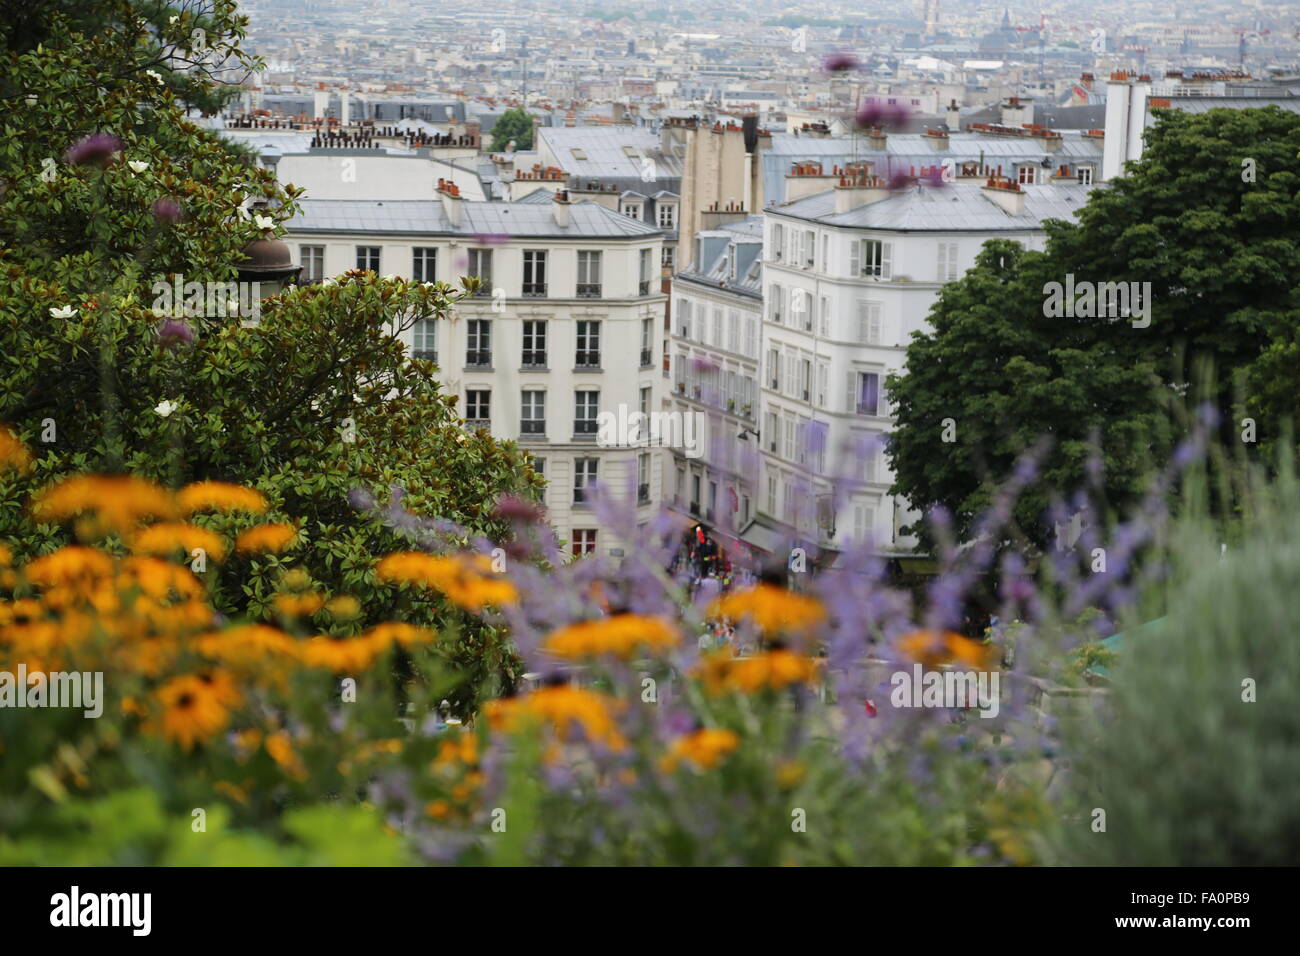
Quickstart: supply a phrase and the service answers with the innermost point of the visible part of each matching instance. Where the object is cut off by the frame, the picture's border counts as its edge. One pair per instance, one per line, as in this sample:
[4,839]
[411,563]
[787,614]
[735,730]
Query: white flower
[30,100]
[165,408]
[264,222]
[391,277]
[157,77]
[66,312]
[138,165]
[172,19]
[329,282]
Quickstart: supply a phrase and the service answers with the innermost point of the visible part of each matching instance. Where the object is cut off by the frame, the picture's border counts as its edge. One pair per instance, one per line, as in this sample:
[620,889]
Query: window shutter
[943,262]
[886,260]
[855,257]
[850,392]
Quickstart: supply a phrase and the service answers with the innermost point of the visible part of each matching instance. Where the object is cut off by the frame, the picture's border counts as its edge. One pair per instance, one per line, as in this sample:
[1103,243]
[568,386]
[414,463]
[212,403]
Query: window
[667,215]
[538,465]
[825,313]
[864,393]
[535,273]
[585,412]
[684,317]
[809,249]
[643,284]
[588,352]
[777,303]
[789,381]
[647,342]
[695,494]
[777,242]
[424,264]
[826,246]
[478,409]
[368,258]
[789,502]
[870,322]
[774,369]
[773,430]
[313,263]
[681,485]
[478,343]
[643,478]
[480,264]
[770,504]
[669,258]
[716,339]
[584,541]
[947,261]
[534,351]
[864,522]
[584,474]
[733,330]
[644,404]
[805,379]
[532,416]
[871,258]
[751,336]
[800,313]
[1025,174]
[588,274]
[790,432]
[424,339]
[1085,175]
[823,379]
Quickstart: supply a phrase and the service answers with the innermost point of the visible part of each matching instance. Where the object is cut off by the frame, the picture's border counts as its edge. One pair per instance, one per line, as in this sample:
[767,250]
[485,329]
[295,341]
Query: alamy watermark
[628,429]
[1100,300]
[77,689]
[921,688]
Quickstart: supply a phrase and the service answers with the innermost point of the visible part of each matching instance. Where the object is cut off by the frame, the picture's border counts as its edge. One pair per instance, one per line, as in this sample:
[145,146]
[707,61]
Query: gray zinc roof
[587,220]
[957,207]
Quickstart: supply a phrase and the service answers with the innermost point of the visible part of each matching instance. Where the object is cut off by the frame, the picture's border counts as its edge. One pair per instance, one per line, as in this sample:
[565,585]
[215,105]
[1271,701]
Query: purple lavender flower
[97,149]
[515,508]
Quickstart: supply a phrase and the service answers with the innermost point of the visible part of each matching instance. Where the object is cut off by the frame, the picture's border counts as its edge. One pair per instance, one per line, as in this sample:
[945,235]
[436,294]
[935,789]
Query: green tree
[316,399]
[1218,239]
[514,125]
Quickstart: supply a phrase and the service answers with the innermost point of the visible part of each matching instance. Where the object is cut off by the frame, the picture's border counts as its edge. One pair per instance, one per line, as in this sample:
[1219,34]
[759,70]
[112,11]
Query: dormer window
[1027,174]
[1085,175]
[667,215]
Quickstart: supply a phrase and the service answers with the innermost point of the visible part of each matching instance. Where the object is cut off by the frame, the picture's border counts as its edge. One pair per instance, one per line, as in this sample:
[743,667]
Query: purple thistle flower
[175,333]
[167,211]
[97,149]
[839,61]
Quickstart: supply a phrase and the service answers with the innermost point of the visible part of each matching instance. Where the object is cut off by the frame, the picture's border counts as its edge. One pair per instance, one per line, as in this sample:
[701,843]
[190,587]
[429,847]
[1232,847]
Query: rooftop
[587,220]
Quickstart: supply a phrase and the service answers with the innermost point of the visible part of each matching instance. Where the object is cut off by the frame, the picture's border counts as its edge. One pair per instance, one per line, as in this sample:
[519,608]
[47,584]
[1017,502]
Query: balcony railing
[478,358]
[534,290]
[485,290]
[647,358]
[532,426]
[429,355]
[643,494]
[534,358]
[584,427]
[478,424]
[867,408]
[695,508]
[588,290]
[644,287]
[587,358]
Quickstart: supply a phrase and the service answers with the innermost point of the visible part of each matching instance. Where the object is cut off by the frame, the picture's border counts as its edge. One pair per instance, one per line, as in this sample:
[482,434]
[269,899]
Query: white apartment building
[849,273]
[569,326]
[717,325]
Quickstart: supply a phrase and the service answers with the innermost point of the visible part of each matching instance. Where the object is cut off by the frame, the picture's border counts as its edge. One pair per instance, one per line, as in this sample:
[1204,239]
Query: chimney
[953,117]
[561,207]
[1017,112]
[857,188]
[449,193]
[1115,150]
[1006,194]
[877,140]
[808,179]
[345,109]
[937,138]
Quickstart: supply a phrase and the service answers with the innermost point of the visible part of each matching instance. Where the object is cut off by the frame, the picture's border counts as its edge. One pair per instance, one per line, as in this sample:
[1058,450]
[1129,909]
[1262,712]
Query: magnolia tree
[126,339]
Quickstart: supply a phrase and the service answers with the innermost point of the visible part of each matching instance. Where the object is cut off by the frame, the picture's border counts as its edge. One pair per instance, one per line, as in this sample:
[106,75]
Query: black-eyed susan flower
[271,538]
[562,708]
[622,635]
[932,648]
[466,580]
[702,750]
[220,496]
[193,712]
[773,610]
[111,503]
[169,537]
[770,670]
[14,455]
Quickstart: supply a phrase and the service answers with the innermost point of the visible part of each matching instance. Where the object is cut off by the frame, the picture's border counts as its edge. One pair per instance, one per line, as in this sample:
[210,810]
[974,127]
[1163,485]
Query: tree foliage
[1217,238]
[515,126]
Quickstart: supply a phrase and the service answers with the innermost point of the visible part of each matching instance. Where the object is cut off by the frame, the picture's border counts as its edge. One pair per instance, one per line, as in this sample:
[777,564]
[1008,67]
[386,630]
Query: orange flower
[116,503]
[722,673]
[280,747]
[622,635]
[264,538]
[169,537]
[299,605]
[561,708]
[193,713]
[220,496]
[703,749]
[14,455]
[933,648]
[396,632]
[466,580]
[246,644]
[349,655]
[771,608]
